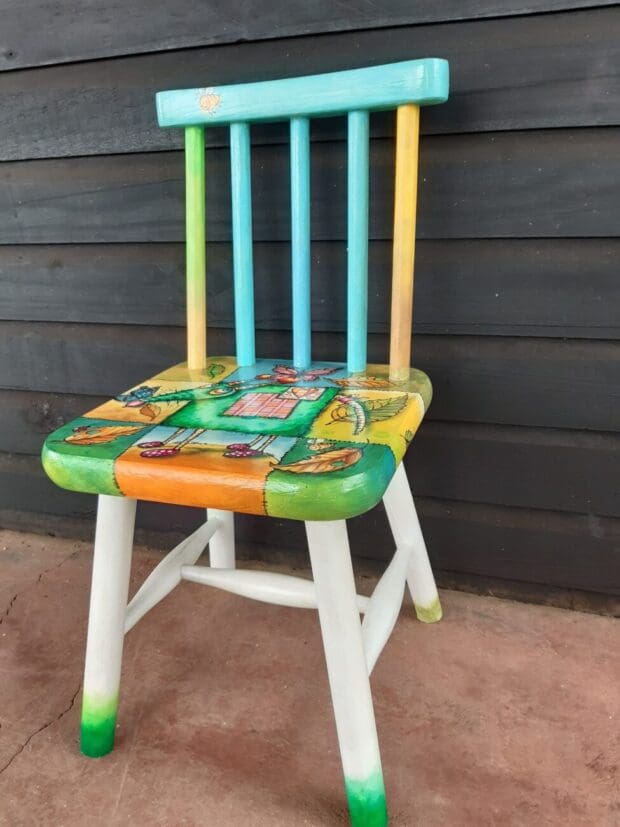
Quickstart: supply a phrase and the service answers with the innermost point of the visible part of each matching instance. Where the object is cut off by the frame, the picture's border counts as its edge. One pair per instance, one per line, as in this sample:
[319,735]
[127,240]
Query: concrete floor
[502,714]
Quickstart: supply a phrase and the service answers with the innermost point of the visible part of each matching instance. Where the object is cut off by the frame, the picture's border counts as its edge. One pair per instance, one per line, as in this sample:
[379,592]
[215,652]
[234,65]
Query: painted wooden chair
[319,442]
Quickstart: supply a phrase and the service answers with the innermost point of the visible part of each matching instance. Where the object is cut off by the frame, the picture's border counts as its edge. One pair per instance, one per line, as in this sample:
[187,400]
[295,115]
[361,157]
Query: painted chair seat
[315,444]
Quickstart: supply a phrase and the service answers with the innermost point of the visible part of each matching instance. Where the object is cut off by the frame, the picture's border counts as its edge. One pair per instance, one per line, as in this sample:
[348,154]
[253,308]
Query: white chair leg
[403,518]
[106,623]
[222,544]
[347,671]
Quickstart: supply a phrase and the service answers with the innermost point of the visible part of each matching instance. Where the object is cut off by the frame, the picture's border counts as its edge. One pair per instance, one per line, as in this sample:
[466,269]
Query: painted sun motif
[209,100]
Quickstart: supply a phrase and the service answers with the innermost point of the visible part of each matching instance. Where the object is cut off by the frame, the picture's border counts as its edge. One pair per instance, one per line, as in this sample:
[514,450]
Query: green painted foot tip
[431,613]
[98,725]
[367,806]
[97,741]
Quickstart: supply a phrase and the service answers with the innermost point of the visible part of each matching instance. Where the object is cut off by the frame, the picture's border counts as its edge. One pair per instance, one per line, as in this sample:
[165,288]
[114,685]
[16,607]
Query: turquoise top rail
[421,82]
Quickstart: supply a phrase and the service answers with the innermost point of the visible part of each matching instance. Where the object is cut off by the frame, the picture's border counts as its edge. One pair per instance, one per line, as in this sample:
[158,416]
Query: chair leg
[405,525]
[347,670]
[222,544]
[106,621]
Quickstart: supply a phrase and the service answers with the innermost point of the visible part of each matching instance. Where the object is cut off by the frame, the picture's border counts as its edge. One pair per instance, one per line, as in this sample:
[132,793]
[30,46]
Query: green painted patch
[420,383]
[367,806]
[431,613]
[332,495]
[88,466]
[209,410]
[98,725]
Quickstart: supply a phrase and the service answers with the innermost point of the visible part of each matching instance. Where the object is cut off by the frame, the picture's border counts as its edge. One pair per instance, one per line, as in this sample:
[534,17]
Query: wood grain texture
[518,544]
[559,70]
[500,287]
[527,545]
[28,417]
[66,31]
[549,183]
[534,382]
[532,546]
[553,469]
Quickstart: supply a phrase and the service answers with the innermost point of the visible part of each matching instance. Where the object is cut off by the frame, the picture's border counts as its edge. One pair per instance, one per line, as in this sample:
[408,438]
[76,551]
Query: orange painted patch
[199,476]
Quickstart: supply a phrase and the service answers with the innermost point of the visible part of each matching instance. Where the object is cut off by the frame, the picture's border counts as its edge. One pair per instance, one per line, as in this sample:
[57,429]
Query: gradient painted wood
[405,200]
[357,235]
[376,87]
[106,623]
[241,183]
[300,240]
[195,247]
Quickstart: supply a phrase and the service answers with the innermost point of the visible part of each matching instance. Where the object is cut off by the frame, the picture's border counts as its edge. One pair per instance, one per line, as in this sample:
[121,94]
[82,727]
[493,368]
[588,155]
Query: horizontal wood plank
[533,546]
[560,70]
[526,545]
[550,183]
[534,468]
[501,287]
[525,467]
[518,544]
[29,416]
[63,33]
[533,382]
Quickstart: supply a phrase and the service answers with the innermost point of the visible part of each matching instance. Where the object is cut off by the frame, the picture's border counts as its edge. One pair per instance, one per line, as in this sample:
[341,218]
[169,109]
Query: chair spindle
[405,199]
[195,247]
[300,240]
[241,184]
[357,235]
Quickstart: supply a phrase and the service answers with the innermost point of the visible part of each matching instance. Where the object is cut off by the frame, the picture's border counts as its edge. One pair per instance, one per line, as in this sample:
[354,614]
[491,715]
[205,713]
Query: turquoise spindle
[357,235]
[242,242]
[300,239]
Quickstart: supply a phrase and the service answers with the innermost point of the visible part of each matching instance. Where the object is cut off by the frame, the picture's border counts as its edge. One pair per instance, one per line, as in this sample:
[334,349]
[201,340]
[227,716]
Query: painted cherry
[238,450]
[159,452]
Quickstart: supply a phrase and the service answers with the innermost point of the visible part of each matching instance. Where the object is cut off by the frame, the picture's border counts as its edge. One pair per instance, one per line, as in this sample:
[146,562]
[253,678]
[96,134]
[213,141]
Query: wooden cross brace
[380,611]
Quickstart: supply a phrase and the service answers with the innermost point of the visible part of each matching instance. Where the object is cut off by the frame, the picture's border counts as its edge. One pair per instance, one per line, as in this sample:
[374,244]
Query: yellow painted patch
[211,373]
[343,421]
[145,411]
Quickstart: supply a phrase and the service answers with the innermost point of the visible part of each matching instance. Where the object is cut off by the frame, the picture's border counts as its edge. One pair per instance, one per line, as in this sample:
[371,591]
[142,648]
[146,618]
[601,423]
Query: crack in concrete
[68,708]
[32,585]
[42,728]
[10,606]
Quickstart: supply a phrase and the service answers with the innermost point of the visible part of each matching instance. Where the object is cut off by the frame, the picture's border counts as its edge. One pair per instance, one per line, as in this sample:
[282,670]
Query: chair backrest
[405,86]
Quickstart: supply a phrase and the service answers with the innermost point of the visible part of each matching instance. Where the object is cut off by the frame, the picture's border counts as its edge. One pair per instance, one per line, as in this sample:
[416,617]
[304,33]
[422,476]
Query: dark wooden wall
[518,288]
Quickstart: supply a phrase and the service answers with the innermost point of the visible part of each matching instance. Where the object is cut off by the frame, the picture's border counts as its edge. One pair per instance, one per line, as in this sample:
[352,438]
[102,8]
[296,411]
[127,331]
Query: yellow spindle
[195,247]
[405,199]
